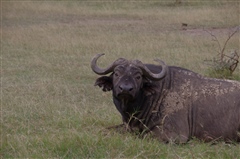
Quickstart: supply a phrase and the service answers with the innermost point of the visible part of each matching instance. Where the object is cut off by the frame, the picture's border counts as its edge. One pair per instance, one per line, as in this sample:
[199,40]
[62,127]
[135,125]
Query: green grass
[49,106]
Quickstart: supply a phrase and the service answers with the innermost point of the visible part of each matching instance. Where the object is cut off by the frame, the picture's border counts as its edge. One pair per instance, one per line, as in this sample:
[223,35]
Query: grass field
[49,106]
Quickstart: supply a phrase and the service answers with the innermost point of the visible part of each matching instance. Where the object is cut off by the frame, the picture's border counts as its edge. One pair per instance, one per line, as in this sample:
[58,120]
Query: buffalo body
[172,103]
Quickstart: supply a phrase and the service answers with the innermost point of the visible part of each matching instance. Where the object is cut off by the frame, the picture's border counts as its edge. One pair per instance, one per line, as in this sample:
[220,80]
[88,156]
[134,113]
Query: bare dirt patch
[205,31]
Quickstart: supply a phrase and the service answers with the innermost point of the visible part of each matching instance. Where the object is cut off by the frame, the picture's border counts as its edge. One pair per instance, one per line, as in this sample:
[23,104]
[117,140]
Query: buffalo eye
[138,77]
[116,74]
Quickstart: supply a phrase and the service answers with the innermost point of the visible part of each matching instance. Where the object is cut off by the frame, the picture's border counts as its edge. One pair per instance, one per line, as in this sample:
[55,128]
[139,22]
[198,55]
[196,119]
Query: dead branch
[214,38]
[225,44]
[225,61]
[221,49]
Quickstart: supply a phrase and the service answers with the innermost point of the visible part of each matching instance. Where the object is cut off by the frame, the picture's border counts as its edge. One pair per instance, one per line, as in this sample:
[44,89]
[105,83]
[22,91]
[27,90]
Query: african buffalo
[172,103]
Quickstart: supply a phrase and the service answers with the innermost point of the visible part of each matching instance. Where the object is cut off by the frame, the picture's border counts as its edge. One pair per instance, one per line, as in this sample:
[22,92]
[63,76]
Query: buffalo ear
[104,82]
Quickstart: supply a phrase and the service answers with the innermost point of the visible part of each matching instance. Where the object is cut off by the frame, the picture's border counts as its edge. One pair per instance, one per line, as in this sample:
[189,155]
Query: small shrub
[224,64]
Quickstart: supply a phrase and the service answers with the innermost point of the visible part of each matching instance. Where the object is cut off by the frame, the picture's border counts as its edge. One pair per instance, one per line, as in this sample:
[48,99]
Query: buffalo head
[127,78]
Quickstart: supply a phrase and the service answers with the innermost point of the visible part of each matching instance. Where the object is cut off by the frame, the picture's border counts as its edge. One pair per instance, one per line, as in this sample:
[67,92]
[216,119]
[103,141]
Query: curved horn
[107,70]
[152,75]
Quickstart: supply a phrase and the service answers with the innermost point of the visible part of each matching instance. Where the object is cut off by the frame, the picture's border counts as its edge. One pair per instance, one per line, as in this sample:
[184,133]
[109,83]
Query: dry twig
[232,60]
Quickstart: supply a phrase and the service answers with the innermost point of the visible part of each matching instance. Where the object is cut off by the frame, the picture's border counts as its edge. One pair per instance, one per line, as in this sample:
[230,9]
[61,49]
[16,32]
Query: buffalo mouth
[125,96]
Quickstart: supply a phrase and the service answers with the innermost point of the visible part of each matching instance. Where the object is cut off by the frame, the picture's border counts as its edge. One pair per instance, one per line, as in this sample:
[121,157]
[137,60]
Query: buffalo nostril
[125,88]
[120,88]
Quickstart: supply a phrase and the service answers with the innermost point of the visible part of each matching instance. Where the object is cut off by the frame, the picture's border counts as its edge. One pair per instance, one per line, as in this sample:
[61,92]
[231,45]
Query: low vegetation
[225,63]
[49,106]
